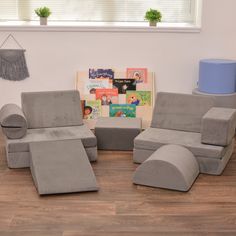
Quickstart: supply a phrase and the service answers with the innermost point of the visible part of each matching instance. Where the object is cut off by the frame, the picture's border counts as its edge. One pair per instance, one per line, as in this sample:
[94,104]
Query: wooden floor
[119,208]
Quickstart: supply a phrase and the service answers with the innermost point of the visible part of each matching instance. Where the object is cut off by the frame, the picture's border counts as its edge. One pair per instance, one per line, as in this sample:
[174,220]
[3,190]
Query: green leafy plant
[43,12]
[153,15]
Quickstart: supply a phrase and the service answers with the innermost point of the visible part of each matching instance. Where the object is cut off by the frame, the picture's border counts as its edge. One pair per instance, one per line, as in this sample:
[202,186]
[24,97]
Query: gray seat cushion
[180,111]
[52,109]
[52,134]
[154,138]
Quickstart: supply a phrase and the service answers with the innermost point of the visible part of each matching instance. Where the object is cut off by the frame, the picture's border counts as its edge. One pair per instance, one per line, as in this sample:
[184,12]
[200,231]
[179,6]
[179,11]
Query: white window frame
[60,26]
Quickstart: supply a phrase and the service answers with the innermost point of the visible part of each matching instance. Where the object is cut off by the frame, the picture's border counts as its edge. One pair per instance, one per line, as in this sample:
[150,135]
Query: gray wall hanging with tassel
[12,62]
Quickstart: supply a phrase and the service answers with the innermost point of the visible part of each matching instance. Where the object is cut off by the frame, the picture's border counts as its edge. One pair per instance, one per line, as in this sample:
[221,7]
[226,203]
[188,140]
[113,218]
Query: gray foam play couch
[192,122]
[44,116]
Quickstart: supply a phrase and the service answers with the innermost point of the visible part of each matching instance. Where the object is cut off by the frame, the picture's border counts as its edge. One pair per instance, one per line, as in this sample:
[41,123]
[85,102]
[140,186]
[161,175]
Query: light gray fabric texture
[221,100]
[154,138]
[180,111]
[171,166]
[61,167]
[52,109]
[53,134]
[117,133]
[17,160]
[13,121]
[212,166]
[218,126]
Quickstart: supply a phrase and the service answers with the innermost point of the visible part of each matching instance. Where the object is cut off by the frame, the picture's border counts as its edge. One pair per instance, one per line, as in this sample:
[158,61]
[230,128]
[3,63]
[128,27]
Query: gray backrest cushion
[180,111]
[52,109]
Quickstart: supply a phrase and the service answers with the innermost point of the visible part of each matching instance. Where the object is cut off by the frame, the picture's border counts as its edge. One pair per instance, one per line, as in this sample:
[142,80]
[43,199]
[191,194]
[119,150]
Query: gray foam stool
[171,166]
[61,167]
[117,133]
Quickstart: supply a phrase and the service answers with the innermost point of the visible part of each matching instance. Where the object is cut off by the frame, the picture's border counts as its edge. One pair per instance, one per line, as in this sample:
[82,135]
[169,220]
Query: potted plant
[153,16]
[43,13]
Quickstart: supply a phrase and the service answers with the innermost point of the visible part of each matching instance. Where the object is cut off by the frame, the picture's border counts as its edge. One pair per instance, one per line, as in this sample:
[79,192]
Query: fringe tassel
[13,64]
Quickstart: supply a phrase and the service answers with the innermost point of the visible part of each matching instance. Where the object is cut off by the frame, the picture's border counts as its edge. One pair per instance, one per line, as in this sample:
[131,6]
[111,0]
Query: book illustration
[107,96]
[139,98]
[90,86]
[139,74]
[101,73]
[122,110]
[124,84]
[92,109]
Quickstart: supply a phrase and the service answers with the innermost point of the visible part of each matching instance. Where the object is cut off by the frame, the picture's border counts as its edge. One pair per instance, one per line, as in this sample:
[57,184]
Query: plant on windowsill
[43,13]
[153,16]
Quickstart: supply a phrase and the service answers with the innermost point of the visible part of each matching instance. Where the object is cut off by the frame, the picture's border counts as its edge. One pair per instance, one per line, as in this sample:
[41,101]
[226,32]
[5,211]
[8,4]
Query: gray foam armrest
[218,126]
[13,121]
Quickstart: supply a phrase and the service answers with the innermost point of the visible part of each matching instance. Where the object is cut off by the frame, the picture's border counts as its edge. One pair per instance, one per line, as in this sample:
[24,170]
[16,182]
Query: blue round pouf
[217,76]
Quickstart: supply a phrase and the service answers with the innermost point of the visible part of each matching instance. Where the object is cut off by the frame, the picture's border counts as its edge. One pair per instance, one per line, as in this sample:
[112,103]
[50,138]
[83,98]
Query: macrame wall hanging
[12,62]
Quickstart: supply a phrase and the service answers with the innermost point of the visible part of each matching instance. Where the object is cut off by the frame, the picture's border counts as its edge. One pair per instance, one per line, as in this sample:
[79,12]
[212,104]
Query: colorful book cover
[107,96]
[139,74]
[124,84]
[122,110]
[92,109]
[139,98]
[91,85]
[101,73]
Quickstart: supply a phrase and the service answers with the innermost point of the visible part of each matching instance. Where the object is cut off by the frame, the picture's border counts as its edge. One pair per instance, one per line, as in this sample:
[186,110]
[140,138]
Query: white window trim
[59,26]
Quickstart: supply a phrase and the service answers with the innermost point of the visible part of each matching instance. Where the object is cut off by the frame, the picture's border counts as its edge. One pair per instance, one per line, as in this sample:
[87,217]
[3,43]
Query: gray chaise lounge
[192,122]
[49,116]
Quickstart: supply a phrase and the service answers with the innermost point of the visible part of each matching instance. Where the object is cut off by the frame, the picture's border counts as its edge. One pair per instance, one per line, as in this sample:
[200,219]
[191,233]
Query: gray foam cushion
[61,167]
[154,138]
[180,111]
[13,121]
[52,134]
[218,126]
[52,109]
[171,166]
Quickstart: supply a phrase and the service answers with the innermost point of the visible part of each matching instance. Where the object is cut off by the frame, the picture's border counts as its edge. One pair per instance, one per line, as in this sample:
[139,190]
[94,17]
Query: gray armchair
[192,122]
[45,116]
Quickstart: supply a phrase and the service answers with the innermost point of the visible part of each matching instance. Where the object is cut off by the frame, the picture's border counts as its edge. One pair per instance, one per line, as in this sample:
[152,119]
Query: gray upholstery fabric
[154,138]
[52,109]
[13,121]
[212,166]
[22,159]
[61,167]
[52,134]
[171,166]
[180,111]
[116,133]
[218,126]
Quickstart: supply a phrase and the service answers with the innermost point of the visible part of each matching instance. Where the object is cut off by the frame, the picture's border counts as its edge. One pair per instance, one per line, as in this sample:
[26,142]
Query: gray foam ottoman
[171,166]
[117,133]
[61,167]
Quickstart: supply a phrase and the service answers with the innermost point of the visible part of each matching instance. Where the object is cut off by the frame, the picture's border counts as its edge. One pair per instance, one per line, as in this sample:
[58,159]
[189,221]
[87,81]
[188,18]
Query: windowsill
[54,26]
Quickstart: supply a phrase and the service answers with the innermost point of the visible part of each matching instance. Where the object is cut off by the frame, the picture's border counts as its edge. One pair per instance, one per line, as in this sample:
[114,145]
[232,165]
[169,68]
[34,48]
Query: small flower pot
[152,23]
[43,20]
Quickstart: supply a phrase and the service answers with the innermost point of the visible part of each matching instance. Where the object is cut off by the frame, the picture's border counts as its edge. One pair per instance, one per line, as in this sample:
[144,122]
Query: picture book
[82,105]
[101,73]
[139,98]
[107,96]
[92,109]
[91,85]
[124,84]
[122,110]
[139,74]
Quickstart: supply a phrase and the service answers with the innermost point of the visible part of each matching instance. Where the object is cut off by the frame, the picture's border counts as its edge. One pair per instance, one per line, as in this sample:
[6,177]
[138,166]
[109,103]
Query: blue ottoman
[217,76]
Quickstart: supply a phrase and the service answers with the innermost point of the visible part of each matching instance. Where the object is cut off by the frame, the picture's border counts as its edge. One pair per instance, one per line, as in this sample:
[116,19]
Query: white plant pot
[43,20]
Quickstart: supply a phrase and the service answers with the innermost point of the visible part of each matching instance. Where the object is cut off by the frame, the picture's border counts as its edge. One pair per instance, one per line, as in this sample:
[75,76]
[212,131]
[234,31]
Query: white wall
[53,57]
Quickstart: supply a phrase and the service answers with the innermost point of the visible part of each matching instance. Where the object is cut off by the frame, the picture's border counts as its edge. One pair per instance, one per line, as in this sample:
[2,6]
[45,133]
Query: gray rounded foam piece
[171,167]
[13,121]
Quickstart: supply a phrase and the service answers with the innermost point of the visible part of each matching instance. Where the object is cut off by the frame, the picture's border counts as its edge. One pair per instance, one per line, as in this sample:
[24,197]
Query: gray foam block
[13,121]
[171,166]
[61,167]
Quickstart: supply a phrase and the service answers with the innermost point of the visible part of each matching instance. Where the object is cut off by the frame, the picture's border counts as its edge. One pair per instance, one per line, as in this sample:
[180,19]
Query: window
[173,11]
